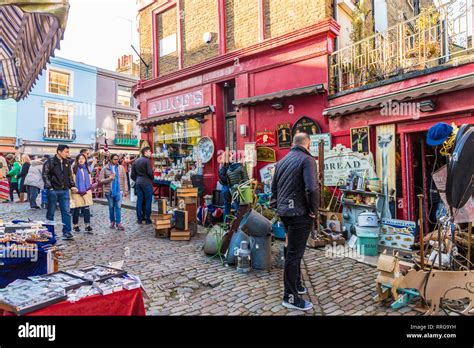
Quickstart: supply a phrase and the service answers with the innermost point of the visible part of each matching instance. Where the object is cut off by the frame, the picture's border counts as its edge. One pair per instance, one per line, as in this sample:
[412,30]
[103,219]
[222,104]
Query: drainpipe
[334,15]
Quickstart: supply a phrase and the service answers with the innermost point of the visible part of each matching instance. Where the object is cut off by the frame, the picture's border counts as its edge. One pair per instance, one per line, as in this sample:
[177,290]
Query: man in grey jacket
[295,195]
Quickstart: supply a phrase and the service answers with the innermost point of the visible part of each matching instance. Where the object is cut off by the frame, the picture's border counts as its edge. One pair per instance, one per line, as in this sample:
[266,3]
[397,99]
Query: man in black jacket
[295,195]
[142,174]
[58,180]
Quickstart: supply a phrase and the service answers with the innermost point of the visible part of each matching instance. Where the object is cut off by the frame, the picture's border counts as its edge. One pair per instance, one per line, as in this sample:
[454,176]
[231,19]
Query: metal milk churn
[243,257]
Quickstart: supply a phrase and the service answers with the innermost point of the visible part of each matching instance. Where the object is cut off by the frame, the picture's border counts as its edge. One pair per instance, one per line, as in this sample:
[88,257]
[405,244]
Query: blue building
[61,108]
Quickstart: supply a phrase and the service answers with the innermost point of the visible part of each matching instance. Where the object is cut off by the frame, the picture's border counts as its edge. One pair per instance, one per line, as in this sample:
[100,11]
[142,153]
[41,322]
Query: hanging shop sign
[205,149]
[399,234]
[284,135]
[266,138]
[341,161]
[177,103]
[306,125]
[266,154]
[314,145]
[360,139]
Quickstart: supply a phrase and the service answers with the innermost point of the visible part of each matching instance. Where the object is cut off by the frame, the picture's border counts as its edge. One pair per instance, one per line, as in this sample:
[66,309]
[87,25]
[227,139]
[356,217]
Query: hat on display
[438,134]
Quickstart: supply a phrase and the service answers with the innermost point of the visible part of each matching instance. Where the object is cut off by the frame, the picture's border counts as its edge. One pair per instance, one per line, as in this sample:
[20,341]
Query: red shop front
[404,111]
[241,94]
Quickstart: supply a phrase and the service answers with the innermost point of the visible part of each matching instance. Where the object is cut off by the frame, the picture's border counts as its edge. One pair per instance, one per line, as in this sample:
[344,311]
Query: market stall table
[120,303]
[12,268]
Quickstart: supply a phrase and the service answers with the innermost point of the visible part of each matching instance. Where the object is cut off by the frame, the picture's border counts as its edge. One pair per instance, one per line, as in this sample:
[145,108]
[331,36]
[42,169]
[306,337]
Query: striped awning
[30,31]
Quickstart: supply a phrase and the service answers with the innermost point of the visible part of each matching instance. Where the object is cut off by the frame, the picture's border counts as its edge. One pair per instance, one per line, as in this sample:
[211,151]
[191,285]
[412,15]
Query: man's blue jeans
[61,196]
[144,194]
[115,208]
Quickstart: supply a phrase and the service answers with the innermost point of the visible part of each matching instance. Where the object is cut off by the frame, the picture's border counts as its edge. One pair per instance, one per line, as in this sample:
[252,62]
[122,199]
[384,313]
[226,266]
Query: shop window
[124,96]
[179,137]
[59,82]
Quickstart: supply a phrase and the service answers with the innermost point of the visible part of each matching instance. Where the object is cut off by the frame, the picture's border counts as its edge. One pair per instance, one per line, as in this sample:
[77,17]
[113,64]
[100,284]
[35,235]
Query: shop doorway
[425,161]
[230,114]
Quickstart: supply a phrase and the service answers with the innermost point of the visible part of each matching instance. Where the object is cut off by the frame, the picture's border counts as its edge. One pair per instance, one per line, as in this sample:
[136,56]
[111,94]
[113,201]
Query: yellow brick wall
[283,16]
[167,25]
[200,16]
[146,37]
[197,18]
[241,23]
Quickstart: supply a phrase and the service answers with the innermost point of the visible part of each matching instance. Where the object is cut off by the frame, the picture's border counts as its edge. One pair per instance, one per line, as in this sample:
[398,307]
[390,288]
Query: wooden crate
[162,206]
[162,233]
[191,208]
[155,217]
[160,224]
[187,192]
[181,220]
[180,235]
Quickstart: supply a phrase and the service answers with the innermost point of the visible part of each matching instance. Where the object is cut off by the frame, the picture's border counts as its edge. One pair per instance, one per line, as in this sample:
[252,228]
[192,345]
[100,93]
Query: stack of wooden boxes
[186,220]
[162,220]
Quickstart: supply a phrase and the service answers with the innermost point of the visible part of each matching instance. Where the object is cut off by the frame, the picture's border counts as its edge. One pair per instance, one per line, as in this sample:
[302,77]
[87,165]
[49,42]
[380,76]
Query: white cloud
[98,32]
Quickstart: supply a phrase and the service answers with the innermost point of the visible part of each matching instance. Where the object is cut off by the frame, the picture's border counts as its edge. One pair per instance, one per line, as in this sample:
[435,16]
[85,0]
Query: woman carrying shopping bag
[83,197]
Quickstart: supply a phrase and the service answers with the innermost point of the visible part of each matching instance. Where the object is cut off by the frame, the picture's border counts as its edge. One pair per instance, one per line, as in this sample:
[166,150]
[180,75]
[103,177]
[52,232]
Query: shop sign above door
[176,103]
[266,138]
[340,161]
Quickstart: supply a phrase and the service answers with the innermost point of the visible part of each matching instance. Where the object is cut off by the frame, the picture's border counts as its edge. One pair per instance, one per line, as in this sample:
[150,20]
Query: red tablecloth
[125,302]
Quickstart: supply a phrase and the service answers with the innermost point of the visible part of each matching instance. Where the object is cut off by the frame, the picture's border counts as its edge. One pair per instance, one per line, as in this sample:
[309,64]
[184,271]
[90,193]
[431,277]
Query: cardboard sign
[360,139]
[340,161]
[314,146]
[399,234]
[266,138]
[284,135]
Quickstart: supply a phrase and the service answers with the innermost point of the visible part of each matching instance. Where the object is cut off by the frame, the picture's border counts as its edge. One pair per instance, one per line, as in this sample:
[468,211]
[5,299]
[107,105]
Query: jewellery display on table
[97,273]
[24,296]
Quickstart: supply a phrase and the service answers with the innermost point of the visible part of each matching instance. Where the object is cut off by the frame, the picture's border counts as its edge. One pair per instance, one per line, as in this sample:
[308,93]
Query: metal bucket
[255,224]
[234,245]
[261,252]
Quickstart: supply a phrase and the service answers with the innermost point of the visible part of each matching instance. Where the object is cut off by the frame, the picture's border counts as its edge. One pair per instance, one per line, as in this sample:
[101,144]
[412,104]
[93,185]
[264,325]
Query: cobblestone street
[181,280]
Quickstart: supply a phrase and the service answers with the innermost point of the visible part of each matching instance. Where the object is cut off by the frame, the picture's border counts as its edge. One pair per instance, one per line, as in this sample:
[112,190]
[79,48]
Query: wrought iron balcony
[122,139]
[59,135]
[437,36]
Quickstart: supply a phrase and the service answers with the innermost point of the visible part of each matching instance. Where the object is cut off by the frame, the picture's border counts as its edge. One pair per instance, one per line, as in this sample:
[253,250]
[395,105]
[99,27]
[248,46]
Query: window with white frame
[124,127]
[58,119]
[59,82]
[124,96]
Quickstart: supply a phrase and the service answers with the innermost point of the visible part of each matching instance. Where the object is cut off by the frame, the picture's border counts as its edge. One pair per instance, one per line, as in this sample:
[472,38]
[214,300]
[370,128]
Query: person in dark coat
[295,196]
[25,167]
[142,174]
